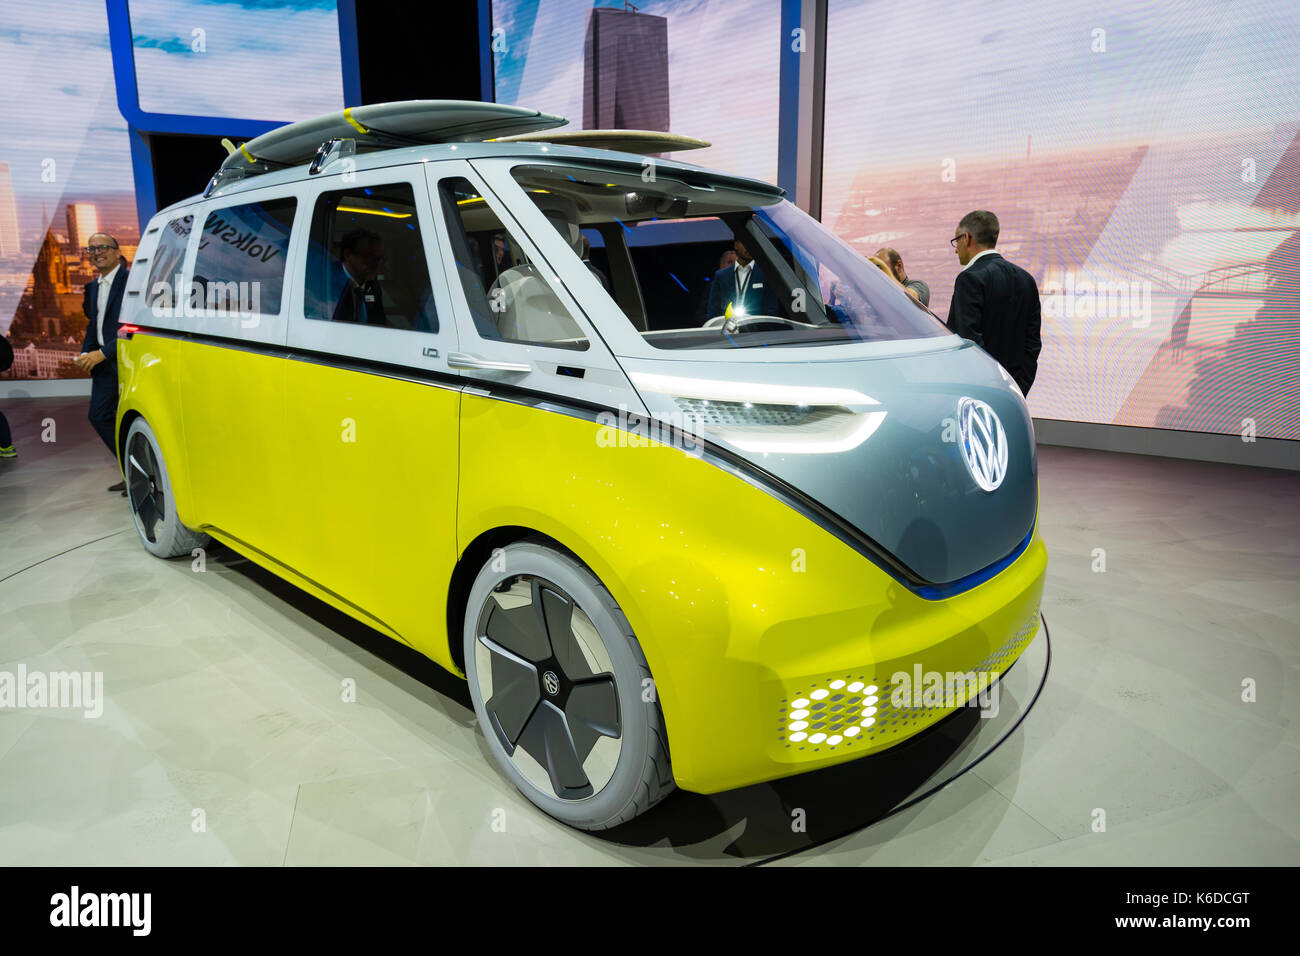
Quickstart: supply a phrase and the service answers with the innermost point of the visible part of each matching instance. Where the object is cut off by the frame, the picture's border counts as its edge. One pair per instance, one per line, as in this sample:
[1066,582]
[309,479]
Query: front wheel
[562,690]
[153,506]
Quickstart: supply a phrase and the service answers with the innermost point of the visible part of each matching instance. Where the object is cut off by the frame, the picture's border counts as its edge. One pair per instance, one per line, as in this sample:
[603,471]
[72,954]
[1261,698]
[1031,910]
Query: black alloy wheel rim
[144,485]
[543,697]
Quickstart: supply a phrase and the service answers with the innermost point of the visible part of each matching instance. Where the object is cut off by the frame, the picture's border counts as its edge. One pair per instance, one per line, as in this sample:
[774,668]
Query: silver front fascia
[875,441]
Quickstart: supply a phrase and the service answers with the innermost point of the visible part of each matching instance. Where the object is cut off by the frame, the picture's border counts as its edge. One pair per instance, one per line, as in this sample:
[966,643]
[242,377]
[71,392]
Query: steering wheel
[755,323]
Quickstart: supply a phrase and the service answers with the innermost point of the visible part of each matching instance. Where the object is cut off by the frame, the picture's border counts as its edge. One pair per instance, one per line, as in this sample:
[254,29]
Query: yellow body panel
[150,371]
[233,404]
[373,514]
[343,482]
[740,603]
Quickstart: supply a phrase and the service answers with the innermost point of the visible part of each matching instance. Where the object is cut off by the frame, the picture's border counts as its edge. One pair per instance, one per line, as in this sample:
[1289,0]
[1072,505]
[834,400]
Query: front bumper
[878,666]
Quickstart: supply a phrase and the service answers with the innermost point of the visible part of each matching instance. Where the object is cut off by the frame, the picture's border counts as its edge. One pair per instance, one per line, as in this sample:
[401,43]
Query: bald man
[894,266]
[102,305]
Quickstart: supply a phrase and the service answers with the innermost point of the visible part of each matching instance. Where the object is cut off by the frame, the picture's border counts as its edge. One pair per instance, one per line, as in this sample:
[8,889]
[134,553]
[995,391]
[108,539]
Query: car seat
[531,311]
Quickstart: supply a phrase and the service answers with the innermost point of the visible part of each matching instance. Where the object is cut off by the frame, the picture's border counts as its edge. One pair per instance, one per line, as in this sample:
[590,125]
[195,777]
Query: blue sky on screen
[251,48]
[58,80]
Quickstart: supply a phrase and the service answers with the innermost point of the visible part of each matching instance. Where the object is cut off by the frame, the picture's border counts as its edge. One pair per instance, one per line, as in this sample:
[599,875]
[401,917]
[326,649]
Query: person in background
[102,305]
[6,437]
[361,261]
[894,263]
[726,260]
[586,261]
[500,255]
[742,286]
[995,303]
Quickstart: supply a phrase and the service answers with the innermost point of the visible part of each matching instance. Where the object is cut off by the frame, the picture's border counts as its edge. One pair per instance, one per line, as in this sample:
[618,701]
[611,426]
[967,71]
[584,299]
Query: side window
[507,297]
[162,289]
[240,264]
[366,261]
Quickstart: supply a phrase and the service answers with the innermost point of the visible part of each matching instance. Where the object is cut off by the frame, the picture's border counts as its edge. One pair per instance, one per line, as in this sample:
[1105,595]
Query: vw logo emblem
[551,683]
[983,443]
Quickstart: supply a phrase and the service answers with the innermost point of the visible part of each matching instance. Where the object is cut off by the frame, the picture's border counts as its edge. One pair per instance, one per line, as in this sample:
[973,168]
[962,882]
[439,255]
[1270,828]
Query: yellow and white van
[677,523]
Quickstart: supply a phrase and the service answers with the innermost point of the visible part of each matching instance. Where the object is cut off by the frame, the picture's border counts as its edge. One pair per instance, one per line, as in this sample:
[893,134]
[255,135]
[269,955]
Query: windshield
[705,265]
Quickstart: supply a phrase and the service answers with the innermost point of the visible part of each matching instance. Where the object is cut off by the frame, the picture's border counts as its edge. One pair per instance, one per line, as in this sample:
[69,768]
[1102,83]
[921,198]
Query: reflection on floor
[224,738]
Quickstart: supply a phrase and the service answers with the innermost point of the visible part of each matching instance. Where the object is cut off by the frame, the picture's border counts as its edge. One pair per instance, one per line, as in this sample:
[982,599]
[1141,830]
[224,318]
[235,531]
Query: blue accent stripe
[787,151]
[146,196]
[938,592]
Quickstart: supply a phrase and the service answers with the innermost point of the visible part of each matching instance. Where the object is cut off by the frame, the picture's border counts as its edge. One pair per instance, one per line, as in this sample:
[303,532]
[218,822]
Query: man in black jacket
[995,303]
[102,304]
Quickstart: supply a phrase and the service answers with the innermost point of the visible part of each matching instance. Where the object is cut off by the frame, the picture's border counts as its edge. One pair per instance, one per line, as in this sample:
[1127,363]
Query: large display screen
[65,173]
[1144,161]
[704,69]
[233,58]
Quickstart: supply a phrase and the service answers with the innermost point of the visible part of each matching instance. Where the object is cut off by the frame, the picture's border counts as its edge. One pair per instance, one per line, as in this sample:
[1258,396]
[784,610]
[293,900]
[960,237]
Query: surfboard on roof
[419,122]
[622,140]
[408,123]
[381,126]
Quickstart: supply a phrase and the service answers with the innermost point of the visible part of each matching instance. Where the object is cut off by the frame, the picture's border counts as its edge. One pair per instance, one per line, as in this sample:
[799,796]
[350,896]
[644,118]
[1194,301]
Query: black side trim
[714,454]
[347,363]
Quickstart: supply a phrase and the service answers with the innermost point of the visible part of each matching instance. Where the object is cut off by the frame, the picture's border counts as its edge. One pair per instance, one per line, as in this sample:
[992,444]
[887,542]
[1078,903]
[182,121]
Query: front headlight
[764,418]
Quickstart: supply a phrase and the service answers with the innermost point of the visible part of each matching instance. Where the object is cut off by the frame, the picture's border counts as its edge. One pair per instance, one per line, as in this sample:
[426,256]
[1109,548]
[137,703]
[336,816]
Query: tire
[573,674]
[149,490]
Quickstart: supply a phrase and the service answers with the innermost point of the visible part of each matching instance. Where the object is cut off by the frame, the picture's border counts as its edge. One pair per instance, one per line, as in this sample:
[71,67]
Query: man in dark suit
[995,303]
[360,298]
[102,305]
[742,286]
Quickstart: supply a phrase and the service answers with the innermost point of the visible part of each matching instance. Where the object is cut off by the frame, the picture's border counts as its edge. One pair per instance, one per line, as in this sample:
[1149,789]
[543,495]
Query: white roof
[435,152]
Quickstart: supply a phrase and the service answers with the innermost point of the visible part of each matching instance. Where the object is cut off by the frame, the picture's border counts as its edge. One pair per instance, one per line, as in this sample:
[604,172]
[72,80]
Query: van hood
[929,455]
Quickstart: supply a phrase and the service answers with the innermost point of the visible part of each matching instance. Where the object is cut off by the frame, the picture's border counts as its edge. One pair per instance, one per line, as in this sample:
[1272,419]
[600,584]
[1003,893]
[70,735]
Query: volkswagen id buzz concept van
[500,401]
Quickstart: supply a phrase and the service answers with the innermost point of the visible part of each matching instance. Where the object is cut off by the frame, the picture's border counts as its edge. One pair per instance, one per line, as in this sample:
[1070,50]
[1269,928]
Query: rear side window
[164,277]
[240,265]
[366,263]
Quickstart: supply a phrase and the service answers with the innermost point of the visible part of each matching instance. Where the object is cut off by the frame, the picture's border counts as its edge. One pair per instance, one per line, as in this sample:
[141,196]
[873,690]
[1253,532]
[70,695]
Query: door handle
[466,361]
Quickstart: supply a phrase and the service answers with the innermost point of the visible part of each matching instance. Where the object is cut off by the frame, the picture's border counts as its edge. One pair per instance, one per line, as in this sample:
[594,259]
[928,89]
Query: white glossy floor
[223,697]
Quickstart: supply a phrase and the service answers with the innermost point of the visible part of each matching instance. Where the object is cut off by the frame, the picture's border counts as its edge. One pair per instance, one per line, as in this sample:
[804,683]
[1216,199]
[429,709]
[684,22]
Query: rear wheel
[562,690]
[153,506]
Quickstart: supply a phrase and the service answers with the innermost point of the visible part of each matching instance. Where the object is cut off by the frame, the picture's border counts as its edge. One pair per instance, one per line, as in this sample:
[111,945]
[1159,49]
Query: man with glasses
[102,304]
[995,303]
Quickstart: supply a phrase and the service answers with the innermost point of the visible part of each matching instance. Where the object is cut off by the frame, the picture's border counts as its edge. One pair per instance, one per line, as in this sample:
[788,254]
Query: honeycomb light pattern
[714,412]
[843,709]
